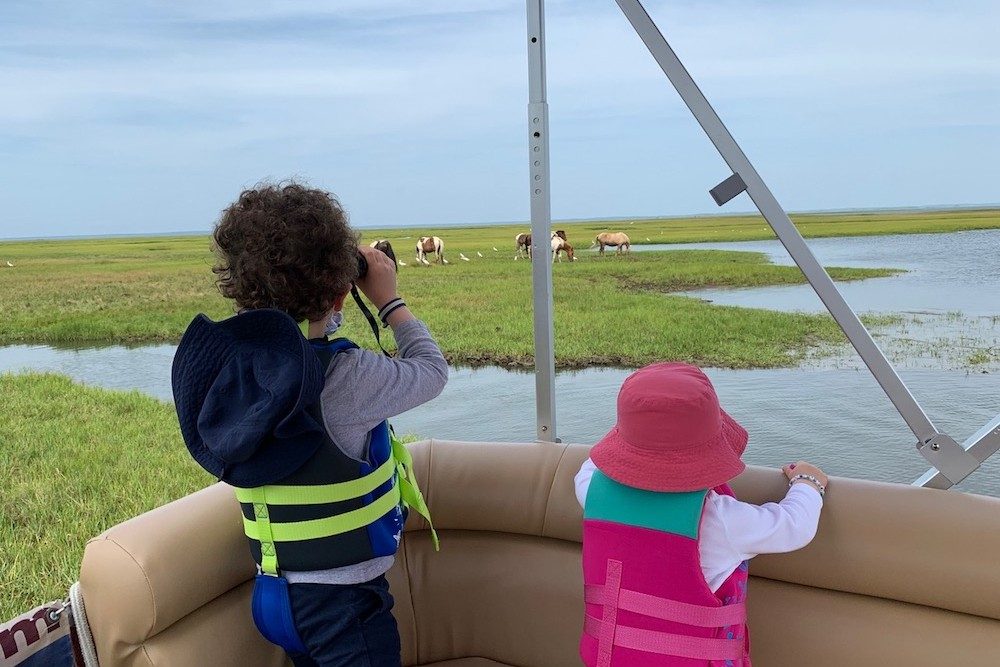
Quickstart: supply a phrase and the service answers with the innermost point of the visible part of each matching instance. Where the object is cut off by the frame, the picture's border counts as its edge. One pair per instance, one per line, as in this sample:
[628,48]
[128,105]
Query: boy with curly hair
[298,423]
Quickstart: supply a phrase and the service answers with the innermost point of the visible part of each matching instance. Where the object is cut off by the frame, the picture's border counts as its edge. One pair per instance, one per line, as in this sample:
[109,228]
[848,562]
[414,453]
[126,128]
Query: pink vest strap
[607,630]
[663,643]
[670,610]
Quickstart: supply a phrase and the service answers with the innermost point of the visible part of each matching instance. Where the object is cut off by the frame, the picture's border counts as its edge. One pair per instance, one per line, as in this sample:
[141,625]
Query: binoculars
[385,249]
[362,266]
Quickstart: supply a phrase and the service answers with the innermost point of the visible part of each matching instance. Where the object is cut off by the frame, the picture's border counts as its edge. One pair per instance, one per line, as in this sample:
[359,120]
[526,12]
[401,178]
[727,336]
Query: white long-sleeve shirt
[733,531]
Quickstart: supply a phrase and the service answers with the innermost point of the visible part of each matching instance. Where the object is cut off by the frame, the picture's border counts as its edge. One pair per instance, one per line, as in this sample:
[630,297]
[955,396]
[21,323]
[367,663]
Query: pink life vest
[647,601]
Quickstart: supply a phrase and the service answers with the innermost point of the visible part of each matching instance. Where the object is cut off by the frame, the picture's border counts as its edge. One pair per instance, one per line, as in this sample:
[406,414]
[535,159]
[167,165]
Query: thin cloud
[438,89]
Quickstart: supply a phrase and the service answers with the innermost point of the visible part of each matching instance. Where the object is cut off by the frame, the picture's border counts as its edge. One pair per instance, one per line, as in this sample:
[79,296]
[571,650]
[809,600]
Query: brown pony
[522,245]
[385,247]
[618,240]
[428,244]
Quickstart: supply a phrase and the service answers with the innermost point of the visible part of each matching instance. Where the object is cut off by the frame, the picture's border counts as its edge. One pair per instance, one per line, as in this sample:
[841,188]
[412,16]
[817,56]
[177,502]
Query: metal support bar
[541,224]
[950,458]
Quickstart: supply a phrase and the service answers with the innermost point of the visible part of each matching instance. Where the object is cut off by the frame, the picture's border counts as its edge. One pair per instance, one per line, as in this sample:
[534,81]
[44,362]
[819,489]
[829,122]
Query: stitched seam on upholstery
[202,606]
[406,555]
[149,634]
[413,606]
[943,610]
[552,485]
[430,466]
[149,587]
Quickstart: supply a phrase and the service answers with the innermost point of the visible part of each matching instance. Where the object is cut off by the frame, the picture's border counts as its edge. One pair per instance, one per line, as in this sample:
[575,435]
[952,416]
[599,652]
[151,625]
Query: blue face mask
[333,323]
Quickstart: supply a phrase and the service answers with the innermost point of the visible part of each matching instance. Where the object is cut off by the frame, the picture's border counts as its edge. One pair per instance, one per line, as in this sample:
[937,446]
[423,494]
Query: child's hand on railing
[804,472]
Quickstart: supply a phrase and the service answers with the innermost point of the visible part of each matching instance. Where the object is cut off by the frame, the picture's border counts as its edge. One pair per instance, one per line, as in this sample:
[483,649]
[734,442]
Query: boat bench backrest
[896,575]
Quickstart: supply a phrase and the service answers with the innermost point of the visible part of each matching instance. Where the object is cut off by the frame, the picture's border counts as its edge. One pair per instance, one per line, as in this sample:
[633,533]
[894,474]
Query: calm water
[833,414]
[836,417]
[946,273]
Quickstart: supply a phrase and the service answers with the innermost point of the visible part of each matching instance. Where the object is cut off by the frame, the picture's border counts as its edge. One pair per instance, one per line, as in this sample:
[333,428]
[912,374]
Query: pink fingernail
[792,466]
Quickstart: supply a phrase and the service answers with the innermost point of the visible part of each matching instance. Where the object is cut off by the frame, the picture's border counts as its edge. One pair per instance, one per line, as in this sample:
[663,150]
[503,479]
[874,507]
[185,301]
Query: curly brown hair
[288,247]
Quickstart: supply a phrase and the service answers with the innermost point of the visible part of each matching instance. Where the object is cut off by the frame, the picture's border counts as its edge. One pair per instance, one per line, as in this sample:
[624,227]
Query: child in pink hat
[665,542]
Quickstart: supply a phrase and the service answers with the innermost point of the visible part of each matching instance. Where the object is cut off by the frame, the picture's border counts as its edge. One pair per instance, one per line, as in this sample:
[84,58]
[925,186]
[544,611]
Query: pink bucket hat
[671,433]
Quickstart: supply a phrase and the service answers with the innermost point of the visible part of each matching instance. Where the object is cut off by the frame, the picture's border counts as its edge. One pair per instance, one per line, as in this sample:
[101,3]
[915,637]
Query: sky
[150,116]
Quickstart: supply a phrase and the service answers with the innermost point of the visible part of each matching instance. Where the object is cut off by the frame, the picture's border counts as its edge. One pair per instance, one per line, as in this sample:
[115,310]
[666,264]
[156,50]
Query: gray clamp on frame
[725,191]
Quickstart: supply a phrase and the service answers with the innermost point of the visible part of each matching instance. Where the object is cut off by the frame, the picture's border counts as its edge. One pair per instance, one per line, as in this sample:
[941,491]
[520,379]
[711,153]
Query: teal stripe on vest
[677,513]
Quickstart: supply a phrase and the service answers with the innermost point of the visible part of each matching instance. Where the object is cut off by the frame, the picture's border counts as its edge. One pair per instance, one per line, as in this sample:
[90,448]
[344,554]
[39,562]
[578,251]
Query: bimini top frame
[951,461]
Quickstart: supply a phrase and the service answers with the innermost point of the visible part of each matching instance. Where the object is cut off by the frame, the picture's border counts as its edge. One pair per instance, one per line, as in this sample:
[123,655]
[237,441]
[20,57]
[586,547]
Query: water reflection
[838,418]
[146,368]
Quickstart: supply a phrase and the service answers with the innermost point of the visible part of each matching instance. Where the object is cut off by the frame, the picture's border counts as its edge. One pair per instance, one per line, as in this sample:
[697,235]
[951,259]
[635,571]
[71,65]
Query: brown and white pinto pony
[523,245]
[560,245]
[618,240]
[428,244]
[385,247]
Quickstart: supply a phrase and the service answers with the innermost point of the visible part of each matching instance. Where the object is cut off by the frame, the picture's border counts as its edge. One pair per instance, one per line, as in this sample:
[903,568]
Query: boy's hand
[804,468]
[380,283]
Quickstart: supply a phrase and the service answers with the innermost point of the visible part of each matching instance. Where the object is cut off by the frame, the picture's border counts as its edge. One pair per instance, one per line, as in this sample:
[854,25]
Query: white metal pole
[541,224]
[950,458]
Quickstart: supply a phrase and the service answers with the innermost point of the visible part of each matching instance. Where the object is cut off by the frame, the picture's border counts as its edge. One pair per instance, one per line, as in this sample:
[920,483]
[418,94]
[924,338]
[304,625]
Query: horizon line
[500,223]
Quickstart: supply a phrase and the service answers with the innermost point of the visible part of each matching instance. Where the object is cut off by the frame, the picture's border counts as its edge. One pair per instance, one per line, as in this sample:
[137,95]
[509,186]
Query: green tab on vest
[677,513]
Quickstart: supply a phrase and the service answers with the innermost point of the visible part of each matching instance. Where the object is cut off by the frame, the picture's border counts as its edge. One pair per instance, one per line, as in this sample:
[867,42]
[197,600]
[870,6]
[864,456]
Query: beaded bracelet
[812,480]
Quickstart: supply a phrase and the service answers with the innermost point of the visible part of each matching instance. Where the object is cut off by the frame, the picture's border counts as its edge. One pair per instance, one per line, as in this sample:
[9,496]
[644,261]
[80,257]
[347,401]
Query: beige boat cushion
[896,574]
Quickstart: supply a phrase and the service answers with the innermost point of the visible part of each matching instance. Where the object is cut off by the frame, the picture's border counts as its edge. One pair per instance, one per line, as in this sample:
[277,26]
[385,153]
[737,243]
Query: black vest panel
[329,465]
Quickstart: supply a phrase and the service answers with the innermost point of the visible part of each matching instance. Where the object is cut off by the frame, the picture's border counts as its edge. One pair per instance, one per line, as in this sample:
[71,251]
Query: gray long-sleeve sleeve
[364,388]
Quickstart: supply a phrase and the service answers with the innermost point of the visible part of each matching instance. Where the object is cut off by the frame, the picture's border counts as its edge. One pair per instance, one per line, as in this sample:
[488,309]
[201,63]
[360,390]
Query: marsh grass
[76,461]
[609,310]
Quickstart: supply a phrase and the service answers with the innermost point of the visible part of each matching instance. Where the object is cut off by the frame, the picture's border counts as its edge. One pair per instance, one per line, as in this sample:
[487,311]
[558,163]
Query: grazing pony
[385,247]
[618,240]
[560,245]
[523,245]
[432,244]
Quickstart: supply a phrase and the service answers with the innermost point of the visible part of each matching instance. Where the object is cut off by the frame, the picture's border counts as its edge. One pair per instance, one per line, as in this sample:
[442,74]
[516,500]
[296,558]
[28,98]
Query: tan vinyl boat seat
[897,575]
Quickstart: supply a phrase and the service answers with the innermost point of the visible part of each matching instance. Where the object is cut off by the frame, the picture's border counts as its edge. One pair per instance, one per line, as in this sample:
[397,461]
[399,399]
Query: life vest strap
[320,494]
[408,488]
[315,529]
[609,615]
[665,643]
[670,610]
[262,526]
